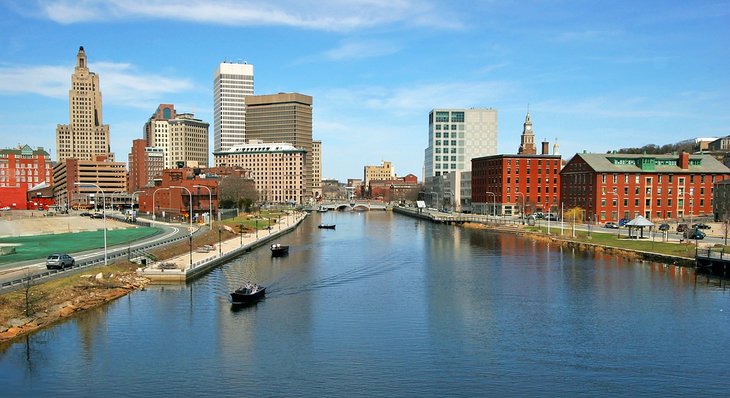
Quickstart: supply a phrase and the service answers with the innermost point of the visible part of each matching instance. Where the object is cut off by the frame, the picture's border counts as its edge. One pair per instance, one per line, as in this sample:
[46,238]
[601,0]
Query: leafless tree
[234,189]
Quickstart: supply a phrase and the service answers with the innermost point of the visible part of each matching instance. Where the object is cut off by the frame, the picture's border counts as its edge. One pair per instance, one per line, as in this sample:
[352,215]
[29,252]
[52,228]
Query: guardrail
[114,254]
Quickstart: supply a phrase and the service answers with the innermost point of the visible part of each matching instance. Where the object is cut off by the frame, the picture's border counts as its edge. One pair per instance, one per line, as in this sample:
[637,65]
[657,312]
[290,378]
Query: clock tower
[527,141]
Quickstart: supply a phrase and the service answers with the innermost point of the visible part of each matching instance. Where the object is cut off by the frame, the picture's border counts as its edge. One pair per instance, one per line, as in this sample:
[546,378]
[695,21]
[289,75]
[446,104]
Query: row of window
[670,178]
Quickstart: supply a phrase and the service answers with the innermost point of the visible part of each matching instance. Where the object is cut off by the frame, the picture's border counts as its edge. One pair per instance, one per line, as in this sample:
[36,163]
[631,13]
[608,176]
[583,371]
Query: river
[386,305]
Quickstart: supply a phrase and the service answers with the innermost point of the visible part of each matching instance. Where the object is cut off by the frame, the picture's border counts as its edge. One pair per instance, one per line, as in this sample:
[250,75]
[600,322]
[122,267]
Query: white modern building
[232,82]
[455,136]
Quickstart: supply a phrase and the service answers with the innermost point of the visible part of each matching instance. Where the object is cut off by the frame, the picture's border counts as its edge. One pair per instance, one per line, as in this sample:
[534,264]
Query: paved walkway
[179,267]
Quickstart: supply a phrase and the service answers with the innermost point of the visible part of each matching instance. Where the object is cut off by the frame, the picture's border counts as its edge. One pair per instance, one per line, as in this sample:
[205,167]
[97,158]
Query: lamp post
[103,212]
[618,213]
[257,228]
[210,204]
[220,249]
[240,232]
[494,203]
[190,219]
[153,200]
[522,210]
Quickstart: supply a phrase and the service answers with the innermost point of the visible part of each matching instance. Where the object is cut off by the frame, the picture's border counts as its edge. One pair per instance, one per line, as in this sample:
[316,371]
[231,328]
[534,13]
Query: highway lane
[12,272]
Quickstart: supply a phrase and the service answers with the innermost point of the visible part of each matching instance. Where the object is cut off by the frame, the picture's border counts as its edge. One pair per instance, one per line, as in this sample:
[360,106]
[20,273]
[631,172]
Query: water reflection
[388,305]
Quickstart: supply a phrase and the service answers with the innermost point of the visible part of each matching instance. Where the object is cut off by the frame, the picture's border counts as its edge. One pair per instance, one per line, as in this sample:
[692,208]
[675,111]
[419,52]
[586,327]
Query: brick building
[503,184]
[202,185]
[395,189]
[21,169]
[658,187]
[75,181]
[145,164]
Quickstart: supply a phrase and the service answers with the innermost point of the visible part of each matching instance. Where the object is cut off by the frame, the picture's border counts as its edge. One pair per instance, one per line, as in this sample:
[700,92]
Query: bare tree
[237,190]
[31,295]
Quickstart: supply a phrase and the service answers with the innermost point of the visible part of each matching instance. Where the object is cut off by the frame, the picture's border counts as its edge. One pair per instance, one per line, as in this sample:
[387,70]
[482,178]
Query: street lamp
[618,213]
[522,211]
[153,200]
[219,241]
[190,219]
[103,212]
[494,203]
[240,232]
[210,204]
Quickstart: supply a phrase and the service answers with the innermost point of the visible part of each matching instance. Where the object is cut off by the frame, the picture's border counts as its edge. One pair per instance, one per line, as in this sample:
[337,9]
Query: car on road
[611,225]
[700,226]
[6,208]
[682,227]
[59,260]
[97,215]
[85,214]
[694,234]
[664,227]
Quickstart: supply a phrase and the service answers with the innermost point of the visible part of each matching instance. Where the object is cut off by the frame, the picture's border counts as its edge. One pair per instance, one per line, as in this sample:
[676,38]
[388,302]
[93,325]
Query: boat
[326,226]
[278,249]
[248,293]
[322,209]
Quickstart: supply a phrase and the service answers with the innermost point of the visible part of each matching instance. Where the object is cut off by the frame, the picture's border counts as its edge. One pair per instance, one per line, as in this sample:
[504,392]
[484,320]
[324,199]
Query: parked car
[97,215]
[664,227]
[694,234]
[85,214]
[551,217]
[611,225]
[700,226]
[59,260]
[681,227]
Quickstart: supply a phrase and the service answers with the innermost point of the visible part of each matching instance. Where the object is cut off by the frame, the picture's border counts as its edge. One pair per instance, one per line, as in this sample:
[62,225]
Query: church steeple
[527,140]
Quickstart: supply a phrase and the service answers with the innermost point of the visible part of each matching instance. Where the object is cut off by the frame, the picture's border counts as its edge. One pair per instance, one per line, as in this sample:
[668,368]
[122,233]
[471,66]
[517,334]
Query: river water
[386,305]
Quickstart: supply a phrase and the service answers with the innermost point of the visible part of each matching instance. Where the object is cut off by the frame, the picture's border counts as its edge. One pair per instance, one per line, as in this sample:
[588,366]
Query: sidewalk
[182,267]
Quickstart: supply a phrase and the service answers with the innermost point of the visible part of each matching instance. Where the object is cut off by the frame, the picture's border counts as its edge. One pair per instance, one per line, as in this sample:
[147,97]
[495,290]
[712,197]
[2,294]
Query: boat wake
[280,288]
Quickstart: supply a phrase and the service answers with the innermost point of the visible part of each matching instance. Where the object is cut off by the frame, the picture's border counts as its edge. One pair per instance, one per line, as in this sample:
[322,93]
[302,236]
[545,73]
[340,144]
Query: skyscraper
[86,136]
[316,169]
[455,136]
[231,83]
[283,117]
[182,137]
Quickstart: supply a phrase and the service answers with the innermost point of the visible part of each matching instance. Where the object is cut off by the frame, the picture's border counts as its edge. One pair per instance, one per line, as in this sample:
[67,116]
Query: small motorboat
[278,249]
[248,293]
[326,226]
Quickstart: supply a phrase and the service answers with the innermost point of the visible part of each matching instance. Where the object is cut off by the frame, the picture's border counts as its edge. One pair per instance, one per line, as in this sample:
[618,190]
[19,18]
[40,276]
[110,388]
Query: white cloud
[362,49]
[321,15]
[48,81]
[121,83]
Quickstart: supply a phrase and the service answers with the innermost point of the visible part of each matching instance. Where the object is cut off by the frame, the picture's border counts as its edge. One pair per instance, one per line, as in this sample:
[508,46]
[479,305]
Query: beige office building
[316,169]
[276,168]
[383,172]
[86,136]
[283,117]
[182,137]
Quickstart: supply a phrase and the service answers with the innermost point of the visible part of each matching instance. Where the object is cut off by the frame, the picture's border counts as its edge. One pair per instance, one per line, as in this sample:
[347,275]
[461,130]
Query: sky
[595,75]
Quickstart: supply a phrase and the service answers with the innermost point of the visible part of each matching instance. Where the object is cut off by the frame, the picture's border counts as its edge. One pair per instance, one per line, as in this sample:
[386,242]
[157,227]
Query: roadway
[37,268]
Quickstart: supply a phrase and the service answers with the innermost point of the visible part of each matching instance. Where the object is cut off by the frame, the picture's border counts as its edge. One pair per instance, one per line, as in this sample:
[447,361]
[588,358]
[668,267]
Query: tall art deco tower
[86,136]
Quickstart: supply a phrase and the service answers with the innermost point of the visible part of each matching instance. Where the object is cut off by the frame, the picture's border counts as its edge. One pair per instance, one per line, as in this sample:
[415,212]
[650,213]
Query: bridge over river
[353,206]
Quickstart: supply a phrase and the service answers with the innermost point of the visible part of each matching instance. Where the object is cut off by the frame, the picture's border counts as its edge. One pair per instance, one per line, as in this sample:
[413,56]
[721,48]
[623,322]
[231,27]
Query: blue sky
[597,75]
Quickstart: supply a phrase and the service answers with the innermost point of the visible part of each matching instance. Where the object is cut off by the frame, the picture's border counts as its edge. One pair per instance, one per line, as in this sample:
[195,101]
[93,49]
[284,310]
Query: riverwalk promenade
[200,259]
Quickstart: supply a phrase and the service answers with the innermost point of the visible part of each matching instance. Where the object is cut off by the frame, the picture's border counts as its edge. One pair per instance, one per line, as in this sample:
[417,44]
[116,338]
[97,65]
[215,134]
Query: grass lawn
[610,239]
[38,247]
[254,221]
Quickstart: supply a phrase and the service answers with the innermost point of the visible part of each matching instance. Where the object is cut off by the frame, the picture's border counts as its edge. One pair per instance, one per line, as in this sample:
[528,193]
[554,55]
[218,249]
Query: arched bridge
[353,206]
